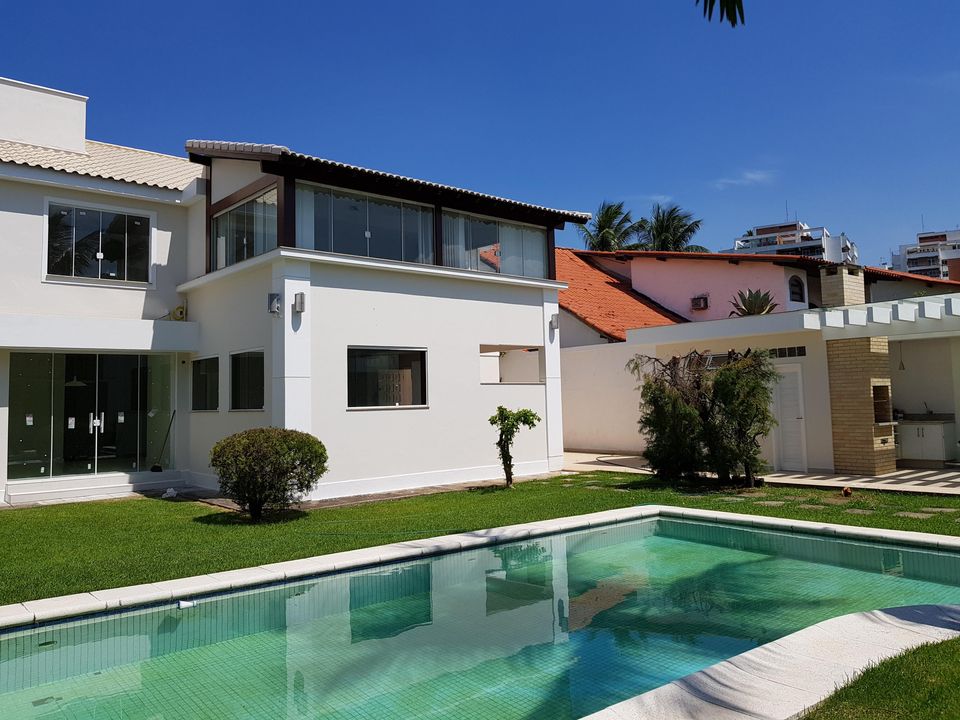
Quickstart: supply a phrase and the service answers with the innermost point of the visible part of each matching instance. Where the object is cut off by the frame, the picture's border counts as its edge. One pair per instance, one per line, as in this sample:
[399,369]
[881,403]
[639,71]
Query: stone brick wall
[842,285]
[860,446]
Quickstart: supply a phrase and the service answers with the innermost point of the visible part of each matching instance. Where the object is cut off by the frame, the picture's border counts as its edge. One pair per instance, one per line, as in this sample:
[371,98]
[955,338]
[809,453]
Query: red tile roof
[791,260]
[875,273]
[605,302]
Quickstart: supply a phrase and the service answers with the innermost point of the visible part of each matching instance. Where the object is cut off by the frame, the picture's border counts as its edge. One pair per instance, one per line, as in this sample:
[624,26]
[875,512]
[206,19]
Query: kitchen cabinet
[927,440]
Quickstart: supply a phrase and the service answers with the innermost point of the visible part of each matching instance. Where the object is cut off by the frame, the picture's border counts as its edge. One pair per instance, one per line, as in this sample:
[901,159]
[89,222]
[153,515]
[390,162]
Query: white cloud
[662,199]
[745,178]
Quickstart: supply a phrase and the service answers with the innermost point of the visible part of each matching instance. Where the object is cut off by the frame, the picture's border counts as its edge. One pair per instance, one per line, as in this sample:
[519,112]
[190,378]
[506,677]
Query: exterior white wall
[374,450]
[674,282]
[228,176]
[233,317]
[818,427]
[26,289]
[4,416]
[927,375]
[600,398]
[42,116]
[574,332]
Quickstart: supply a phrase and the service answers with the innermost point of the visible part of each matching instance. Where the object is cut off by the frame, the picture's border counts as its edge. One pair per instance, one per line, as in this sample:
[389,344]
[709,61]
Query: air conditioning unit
[700,302]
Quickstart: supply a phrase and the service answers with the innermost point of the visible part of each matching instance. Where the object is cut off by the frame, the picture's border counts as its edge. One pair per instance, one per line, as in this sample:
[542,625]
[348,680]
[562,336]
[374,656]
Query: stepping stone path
[857,511]
[770,503]
[914,515]
[938,510]
[749,494]
[813,507]
[835,501]
[731,499]
[792,497]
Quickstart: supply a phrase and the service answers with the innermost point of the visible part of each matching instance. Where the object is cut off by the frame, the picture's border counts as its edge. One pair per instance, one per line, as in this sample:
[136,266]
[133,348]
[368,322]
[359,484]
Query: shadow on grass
[489,489]
[695,486]
[231,518]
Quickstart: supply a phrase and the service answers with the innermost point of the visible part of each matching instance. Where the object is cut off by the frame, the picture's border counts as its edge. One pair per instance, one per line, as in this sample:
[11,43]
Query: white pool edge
[68,606]
[776,681]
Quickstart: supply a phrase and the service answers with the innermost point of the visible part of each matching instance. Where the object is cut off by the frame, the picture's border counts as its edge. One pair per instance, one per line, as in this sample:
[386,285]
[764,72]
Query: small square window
[246,381]
[206,384]
[386,378]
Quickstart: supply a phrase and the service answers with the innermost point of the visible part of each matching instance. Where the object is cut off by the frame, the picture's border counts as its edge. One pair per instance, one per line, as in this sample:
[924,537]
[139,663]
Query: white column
[291,402]
[4,418]
[551,375]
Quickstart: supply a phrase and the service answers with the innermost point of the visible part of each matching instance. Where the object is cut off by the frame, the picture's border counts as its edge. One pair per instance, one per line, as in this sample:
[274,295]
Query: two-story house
[153,304]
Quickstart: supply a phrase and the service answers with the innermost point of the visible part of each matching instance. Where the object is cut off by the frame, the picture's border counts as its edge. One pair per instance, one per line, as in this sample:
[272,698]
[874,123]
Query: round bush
[268,467]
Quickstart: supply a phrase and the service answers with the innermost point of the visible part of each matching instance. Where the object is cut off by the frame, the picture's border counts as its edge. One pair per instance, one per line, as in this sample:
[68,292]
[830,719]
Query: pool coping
[776,681]
[33,612]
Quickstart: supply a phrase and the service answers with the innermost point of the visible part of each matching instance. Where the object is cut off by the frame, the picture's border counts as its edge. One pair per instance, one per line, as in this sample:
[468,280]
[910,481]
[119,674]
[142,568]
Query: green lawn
[921,684]
[61,549]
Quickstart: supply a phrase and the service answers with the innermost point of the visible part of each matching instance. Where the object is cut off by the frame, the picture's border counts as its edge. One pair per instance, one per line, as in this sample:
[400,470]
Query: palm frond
[730,10]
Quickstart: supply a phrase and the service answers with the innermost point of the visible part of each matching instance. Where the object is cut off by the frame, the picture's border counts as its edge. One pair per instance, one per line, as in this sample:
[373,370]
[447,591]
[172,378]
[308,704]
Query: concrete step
[21,492]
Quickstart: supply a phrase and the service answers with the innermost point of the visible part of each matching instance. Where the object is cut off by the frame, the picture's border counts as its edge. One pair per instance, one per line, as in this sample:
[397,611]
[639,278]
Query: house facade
[156,304]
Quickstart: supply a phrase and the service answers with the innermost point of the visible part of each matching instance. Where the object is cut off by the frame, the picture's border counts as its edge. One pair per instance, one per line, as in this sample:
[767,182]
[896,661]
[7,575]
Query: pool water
[557,627]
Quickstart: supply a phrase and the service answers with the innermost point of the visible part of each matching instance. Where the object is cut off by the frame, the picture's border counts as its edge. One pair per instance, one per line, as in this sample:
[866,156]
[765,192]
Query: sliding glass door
[74,414]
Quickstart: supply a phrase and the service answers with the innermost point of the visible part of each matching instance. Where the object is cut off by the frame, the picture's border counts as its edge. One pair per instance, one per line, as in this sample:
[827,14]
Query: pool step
[23,492]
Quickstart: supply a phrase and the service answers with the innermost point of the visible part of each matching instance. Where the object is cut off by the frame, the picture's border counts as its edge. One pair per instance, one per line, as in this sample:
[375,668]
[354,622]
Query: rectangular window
[367,226]
[206,384]
[245,231]
[246,381]
[88,243]
[386,378]
[474,243]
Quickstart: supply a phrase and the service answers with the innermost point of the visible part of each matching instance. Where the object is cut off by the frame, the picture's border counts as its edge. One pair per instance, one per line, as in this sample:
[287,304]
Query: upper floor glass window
[476,243]
[88,243]
[245,231]
[355,224]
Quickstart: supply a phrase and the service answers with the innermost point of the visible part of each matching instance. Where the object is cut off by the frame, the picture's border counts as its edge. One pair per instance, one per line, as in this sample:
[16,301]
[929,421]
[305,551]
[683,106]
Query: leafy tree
[612,228]
[669,229]
[697,416]
[730,10]
[742,395]
[753,302]
[268,467]
[508,422]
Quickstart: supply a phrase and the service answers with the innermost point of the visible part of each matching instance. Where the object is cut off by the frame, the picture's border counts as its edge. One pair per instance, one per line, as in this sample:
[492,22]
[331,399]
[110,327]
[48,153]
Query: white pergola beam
[856,316]
[878,314]
[833,318]
[904,312]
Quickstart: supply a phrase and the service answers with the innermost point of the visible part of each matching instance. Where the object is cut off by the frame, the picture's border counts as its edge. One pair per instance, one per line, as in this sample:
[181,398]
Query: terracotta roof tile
[604,302]
[111,162]
[875,273]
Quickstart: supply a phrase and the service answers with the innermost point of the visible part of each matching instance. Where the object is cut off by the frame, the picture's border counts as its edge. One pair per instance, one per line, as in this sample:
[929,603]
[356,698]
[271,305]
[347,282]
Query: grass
[920,684]
[78,547]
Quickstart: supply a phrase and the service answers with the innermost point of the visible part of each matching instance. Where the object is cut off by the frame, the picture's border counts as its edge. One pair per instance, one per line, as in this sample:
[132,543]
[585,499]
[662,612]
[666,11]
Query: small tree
[508,422]
[268,467]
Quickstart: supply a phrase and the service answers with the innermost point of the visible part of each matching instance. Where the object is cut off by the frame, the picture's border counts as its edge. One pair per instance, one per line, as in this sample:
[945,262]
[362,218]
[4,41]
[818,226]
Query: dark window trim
[193,396]
[389,348]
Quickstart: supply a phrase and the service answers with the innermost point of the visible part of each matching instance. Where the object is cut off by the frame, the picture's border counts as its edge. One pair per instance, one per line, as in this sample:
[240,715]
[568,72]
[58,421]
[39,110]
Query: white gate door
[791,435]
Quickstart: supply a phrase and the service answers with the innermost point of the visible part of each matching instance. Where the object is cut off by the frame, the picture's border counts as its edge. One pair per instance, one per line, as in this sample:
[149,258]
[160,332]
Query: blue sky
[848,112]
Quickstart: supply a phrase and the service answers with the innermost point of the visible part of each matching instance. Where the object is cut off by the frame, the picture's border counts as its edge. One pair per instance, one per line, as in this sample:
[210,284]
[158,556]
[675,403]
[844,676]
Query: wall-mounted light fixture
[299,302]
[273,303]
[555,321]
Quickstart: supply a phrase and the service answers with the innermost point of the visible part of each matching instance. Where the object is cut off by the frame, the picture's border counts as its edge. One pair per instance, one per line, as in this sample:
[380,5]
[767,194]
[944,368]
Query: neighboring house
[797,238]
[933,255]
[865,388]
[610,291]
[155,304]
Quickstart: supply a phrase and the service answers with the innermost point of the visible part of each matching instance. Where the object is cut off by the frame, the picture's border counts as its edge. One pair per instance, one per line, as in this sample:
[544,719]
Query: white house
[154,304]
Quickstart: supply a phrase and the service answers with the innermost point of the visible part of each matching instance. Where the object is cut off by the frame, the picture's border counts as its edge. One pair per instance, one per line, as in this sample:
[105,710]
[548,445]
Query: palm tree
[669,229]
[611,228]
[730,10]
[753,302]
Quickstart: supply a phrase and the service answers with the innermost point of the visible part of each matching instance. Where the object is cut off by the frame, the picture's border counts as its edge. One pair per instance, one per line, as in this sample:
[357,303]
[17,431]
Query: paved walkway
[588,462]
[935,482]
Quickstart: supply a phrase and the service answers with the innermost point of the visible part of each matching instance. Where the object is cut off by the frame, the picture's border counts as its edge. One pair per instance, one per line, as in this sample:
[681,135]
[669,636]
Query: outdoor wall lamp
[555,321]
[273,303]
[299,302]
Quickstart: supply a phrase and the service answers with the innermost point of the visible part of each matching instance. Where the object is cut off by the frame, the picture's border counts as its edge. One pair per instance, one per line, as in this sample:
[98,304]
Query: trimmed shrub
[268,468]
[508,422]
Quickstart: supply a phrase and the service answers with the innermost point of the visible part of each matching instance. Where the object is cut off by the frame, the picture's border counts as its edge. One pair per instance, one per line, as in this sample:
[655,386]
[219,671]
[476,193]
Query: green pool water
[556,627]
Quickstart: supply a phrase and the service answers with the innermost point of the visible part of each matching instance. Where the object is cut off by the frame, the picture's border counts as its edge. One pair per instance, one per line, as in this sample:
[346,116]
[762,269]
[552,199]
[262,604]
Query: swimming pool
[558,626]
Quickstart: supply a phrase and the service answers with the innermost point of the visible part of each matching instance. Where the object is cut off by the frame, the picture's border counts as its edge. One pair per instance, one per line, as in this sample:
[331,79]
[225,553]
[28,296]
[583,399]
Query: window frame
[500,221]
[151,215]
[273,186]
[230,355]
[388,348]
[219,375]
[796,281]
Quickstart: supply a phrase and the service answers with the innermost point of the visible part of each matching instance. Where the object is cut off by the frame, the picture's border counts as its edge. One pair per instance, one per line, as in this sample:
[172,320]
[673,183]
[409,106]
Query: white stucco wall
[228,176]
[927,375]
[674,282]
[27,289]
[374,450]
[232,313]
[600,399]
[574,332]
[42,116]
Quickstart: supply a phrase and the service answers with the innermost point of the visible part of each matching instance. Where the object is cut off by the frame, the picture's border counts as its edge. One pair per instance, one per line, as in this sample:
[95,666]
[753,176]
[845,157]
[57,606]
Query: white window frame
[45,277]
[230,355]
[219,376]
[397,348]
